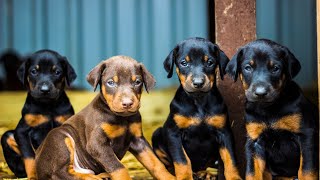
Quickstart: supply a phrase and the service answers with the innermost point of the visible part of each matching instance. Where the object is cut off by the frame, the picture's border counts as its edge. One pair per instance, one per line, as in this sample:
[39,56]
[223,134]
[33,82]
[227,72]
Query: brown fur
[102,134]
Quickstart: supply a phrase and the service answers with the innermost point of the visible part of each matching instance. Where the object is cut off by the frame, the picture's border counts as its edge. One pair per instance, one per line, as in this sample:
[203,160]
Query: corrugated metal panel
[293,24]
[88,31]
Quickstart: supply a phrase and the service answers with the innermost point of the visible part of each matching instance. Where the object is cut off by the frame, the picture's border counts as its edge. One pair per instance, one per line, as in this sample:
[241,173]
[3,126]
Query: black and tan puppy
[281,124]
[196,133]
[47,106]
[91,143]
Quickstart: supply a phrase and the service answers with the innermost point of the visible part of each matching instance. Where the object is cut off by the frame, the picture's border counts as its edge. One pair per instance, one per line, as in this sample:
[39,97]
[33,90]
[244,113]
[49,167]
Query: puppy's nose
[261,91]
[198,82]
[45,88]
[127,103]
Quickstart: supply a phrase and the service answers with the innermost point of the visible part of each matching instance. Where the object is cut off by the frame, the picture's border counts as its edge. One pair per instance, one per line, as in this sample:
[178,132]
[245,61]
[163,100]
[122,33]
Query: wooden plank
[318,46]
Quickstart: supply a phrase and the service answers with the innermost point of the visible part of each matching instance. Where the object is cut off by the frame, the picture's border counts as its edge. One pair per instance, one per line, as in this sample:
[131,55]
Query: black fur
[45,74]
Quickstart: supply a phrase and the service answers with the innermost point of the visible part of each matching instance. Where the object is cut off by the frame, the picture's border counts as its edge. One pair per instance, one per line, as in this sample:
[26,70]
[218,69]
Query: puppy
[91,143]
[47,106]
[281,124]
[197,132]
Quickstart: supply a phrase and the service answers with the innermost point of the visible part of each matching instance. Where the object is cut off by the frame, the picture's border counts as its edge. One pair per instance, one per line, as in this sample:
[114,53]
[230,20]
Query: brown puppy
[91,143]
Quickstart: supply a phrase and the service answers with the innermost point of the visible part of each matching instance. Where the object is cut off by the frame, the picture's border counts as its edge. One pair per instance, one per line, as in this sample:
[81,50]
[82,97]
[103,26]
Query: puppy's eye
[275,69]
[34,72]
[57,72]
[111,83]
[248,68]
[210,63]
[184,63]
[138,82]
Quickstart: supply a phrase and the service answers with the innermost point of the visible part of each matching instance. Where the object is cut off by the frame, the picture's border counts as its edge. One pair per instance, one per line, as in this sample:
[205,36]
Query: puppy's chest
[120,135]
[42,119]
[274,126]
[194,121]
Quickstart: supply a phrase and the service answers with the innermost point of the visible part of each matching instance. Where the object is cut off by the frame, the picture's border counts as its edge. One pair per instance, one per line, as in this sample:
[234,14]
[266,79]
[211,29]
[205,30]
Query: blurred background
[89,31]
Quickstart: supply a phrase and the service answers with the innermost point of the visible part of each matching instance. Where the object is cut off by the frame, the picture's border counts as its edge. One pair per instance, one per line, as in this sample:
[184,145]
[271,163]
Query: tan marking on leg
[290,123]
[120,174]
[217,121]
[34,120]
[154,165]
[183,171]
[267,175]
[30,167]
[187,58]
[254,130]
[185,122]
[259,168]
[71,169]
[162,156]
[284,178]
[113,131]
[306,175]
[13,144]
[62,118]
[230,170]
[136,129]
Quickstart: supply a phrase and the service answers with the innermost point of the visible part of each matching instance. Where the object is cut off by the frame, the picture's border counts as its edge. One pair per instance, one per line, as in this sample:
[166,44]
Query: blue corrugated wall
[293,24]
[88,31]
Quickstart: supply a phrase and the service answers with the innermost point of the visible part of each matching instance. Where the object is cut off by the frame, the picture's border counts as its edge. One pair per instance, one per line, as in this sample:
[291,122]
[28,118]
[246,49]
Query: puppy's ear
[94,76]
[233,66]
[69,71]
[22,72]
[293,63]
[222,59]
[169,62]
[148,80]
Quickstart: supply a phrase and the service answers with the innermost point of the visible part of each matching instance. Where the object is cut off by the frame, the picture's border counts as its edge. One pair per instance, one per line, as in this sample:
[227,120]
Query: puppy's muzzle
[198,82]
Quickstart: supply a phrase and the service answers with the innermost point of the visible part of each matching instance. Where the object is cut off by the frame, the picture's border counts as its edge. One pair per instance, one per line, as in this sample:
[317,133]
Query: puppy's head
[121,79]
[196,61]
[264,68]
[45,73]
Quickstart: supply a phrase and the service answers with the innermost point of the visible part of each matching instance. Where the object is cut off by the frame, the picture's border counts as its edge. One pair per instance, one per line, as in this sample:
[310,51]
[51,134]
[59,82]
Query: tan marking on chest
[34,120]
[62,118]
[254,130]
[259,168]
[113,131]
[136,129]
[217,121]
[185,122]
[290,123]
[30,167]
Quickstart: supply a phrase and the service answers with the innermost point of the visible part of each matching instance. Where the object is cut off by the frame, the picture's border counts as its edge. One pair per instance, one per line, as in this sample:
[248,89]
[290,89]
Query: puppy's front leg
[141,149]
[98,147]
[308,158]
[181,161]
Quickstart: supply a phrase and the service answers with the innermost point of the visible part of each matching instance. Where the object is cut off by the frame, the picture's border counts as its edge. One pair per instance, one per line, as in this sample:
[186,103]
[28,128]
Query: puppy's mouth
[52,95]
[120,111]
